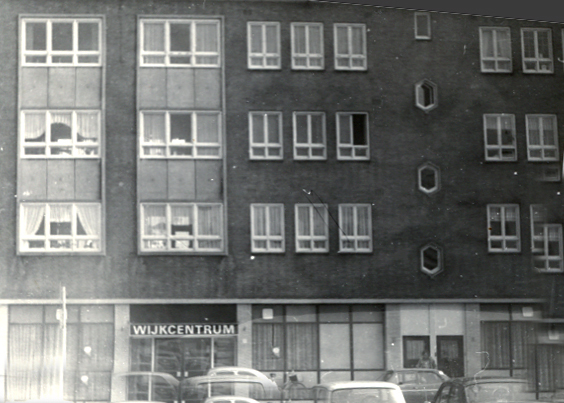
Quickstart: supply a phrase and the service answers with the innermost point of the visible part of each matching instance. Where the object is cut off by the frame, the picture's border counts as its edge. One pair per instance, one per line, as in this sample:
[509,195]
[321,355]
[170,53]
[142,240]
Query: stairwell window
[350,47]
[352,136]
[499,137]
[312,229]
[307,46]
[267,228]
[355,228]
[263,42]
[548,259]
[503,228]
[542,138]
[537,50]
[495,50]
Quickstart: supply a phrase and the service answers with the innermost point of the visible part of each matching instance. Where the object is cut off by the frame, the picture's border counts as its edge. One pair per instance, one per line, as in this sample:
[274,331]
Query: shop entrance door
[450,355]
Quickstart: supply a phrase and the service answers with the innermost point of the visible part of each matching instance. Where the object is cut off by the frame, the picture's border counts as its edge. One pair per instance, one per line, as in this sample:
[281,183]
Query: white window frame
[266,145]
[504,238]
[500,147]
[163,242]
[544,257]
[357,152]
[496,59]
[263,55]
[426,95]
[76,243]
[197,58]
[315,212]
[50,54]
[543,148]
[309,145]
[356,238]
[273,243]
[170,145]
[308,55]
[538,219]
[349,55]
[540,61]
[69,148]
[427,16]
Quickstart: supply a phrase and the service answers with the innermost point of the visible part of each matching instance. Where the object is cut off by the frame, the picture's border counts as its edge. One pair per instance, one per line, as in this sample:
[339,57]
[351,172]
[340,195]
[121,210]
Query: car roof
[224,378]
[230,397]
[357,385]
[163,375]
[474,380]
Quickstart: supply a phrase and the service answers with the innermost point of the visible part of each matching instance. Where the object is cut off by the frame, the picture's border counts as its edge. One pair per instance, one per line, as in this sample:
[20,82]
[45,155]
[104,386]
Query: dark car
[417,385]
[484,390]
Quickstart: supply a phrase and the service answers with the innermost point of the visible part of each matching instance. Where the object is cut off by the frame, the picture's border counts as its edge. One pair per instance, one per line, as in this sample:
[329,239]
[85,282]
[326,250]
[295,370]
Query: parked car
[484,390]
[417,385]
[230,399]
[154,387]
[358,392]
[199,388]
[242,371]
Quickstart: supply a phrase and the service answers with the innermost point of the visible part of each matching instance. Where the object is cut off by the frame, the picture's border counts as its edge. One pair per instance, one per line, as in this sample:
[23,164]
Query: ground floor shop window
[549,373]
[505,344]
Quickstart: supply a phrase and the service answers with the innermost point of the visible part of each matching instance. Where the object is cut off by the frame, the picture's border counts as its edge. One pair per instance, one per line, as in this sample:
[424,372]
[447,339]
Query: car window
[408,378]
[429,377]
[442,396]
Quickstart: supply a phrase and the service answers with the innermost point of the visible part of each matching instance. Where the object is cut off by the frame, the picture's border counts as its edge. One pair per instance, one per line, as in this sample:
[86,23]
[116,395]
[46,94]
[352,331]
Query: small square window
[312,228]
[503,228]
[495,50]
[422,26]
[265,135]
[267,228]
[307,46]
[309,136]
[542,138]
[352,136]
[499,137]
[355,228]
[536,44]
[350,47]
[263,41]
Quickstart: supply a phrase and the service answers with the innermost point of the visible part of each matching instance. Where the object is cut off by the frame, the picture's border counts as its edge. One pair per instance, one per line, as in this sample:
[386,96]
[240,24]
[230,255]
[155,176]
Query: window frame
[350,56]
[264,55]
[308,55]
[420,97]
[168,237]
[167,53]
[504,238]
[313,211]
[267,238]
[495,44]
[354,148]
[537,216]
[170,143]
[47,237]
[544,255]
[310,146]
[355,238]
[266,145]
[542,147]
[49,53]
[416,26]
[499,146]
[537,59]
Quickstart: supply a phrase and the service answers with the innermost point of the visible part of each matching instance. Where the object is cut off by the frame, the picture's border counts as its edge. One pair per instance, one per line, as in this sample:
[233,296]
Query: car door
[442,394]
[428,384]
[408,383]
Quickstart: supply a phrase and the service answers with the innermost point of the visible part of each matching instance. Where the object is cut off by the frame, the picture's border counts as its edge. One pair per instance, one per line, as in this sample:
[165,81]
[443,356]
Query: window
[429,178]
[542,138]
[537,50]
[312,231]
[307,46]
[506,344]
[422,26]
[180,134]
[499,137]
[426,95]
[265,129]
[503,228]
[60,134]
[61,41]
[413,348]
[549,256]
[180,43]
[495,50]
[431,259]
[352,136]
[267,228]
[181,227]
[263,45]
[350,46]
[60,227]
[355,228]
[309,136]
[538,220]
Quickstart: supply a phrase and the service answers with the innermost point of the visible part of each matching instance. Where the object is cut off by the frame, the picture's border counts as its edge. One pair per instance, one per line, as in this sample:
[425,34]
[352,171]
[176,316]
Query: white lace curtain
[154,128]
[33,217]
[209,220]
[206,37]
[34,125]
[89,216]
[88,126]
[153,36]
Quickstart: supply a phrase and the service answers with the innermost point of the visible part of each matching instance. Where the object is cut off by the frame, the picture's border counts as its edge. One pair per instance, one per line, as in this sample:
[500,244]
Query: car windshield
[498,392]
[367,395]
[198,393]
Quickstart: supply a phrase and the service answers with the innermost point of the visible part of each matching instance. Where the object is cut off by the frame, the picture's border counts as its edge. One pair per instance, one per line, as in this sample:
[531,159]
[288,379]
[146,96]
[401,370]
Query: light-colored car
[149,387]
[484,390]
[199,388]
[230,399]
[239,371]
[358,392]
[417,385]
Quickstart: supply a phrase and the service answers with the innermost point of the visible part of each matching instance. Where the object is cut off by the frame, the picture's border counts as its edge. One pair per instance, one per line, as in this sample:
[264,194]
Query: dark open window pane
[181,127]
[180,37]
[359,130]
[62,35]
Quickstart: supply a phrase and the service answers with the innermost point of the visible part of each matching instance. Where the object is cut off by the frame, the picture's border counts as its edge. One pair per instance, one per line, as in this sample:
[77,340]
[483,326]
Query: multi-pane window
[495,50]
[263,41]
[538,220]
[352,136]
[265,135]
[350,46]
[499,137]
[60,227]
[506,343]
[60,134]
[542,138]
[180,43]
[309,136]
[355,228]
[503,228]
[182,227]
[422,26]
[549,257]
[267,228]
[307,46]
[181,134]
[61,41]
[537,50]
[312,229]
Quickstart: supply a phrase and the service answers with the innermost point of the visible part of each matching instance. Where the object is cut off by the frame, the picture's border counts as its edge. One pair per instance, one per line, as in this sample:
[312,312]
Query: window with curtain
[536,46]
[182,227]
[548,257]
[60,227]
[503,228]
[495,50]
[350,46]
[60,134]
[549,374]
[182,134]
[309,136]
[180,43]
[267,228]
[62,41]
[507,344]
[352,136]
[312,228]
[263,45]
[413,348]
[542,138]
[355,228]
[499,137]
[307,46]
[265,135]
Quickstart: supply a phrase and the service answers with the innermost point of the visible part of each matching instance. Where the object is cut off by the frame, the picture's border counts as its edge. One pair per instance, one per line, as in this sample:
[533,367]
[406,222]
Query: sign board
[183,329]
